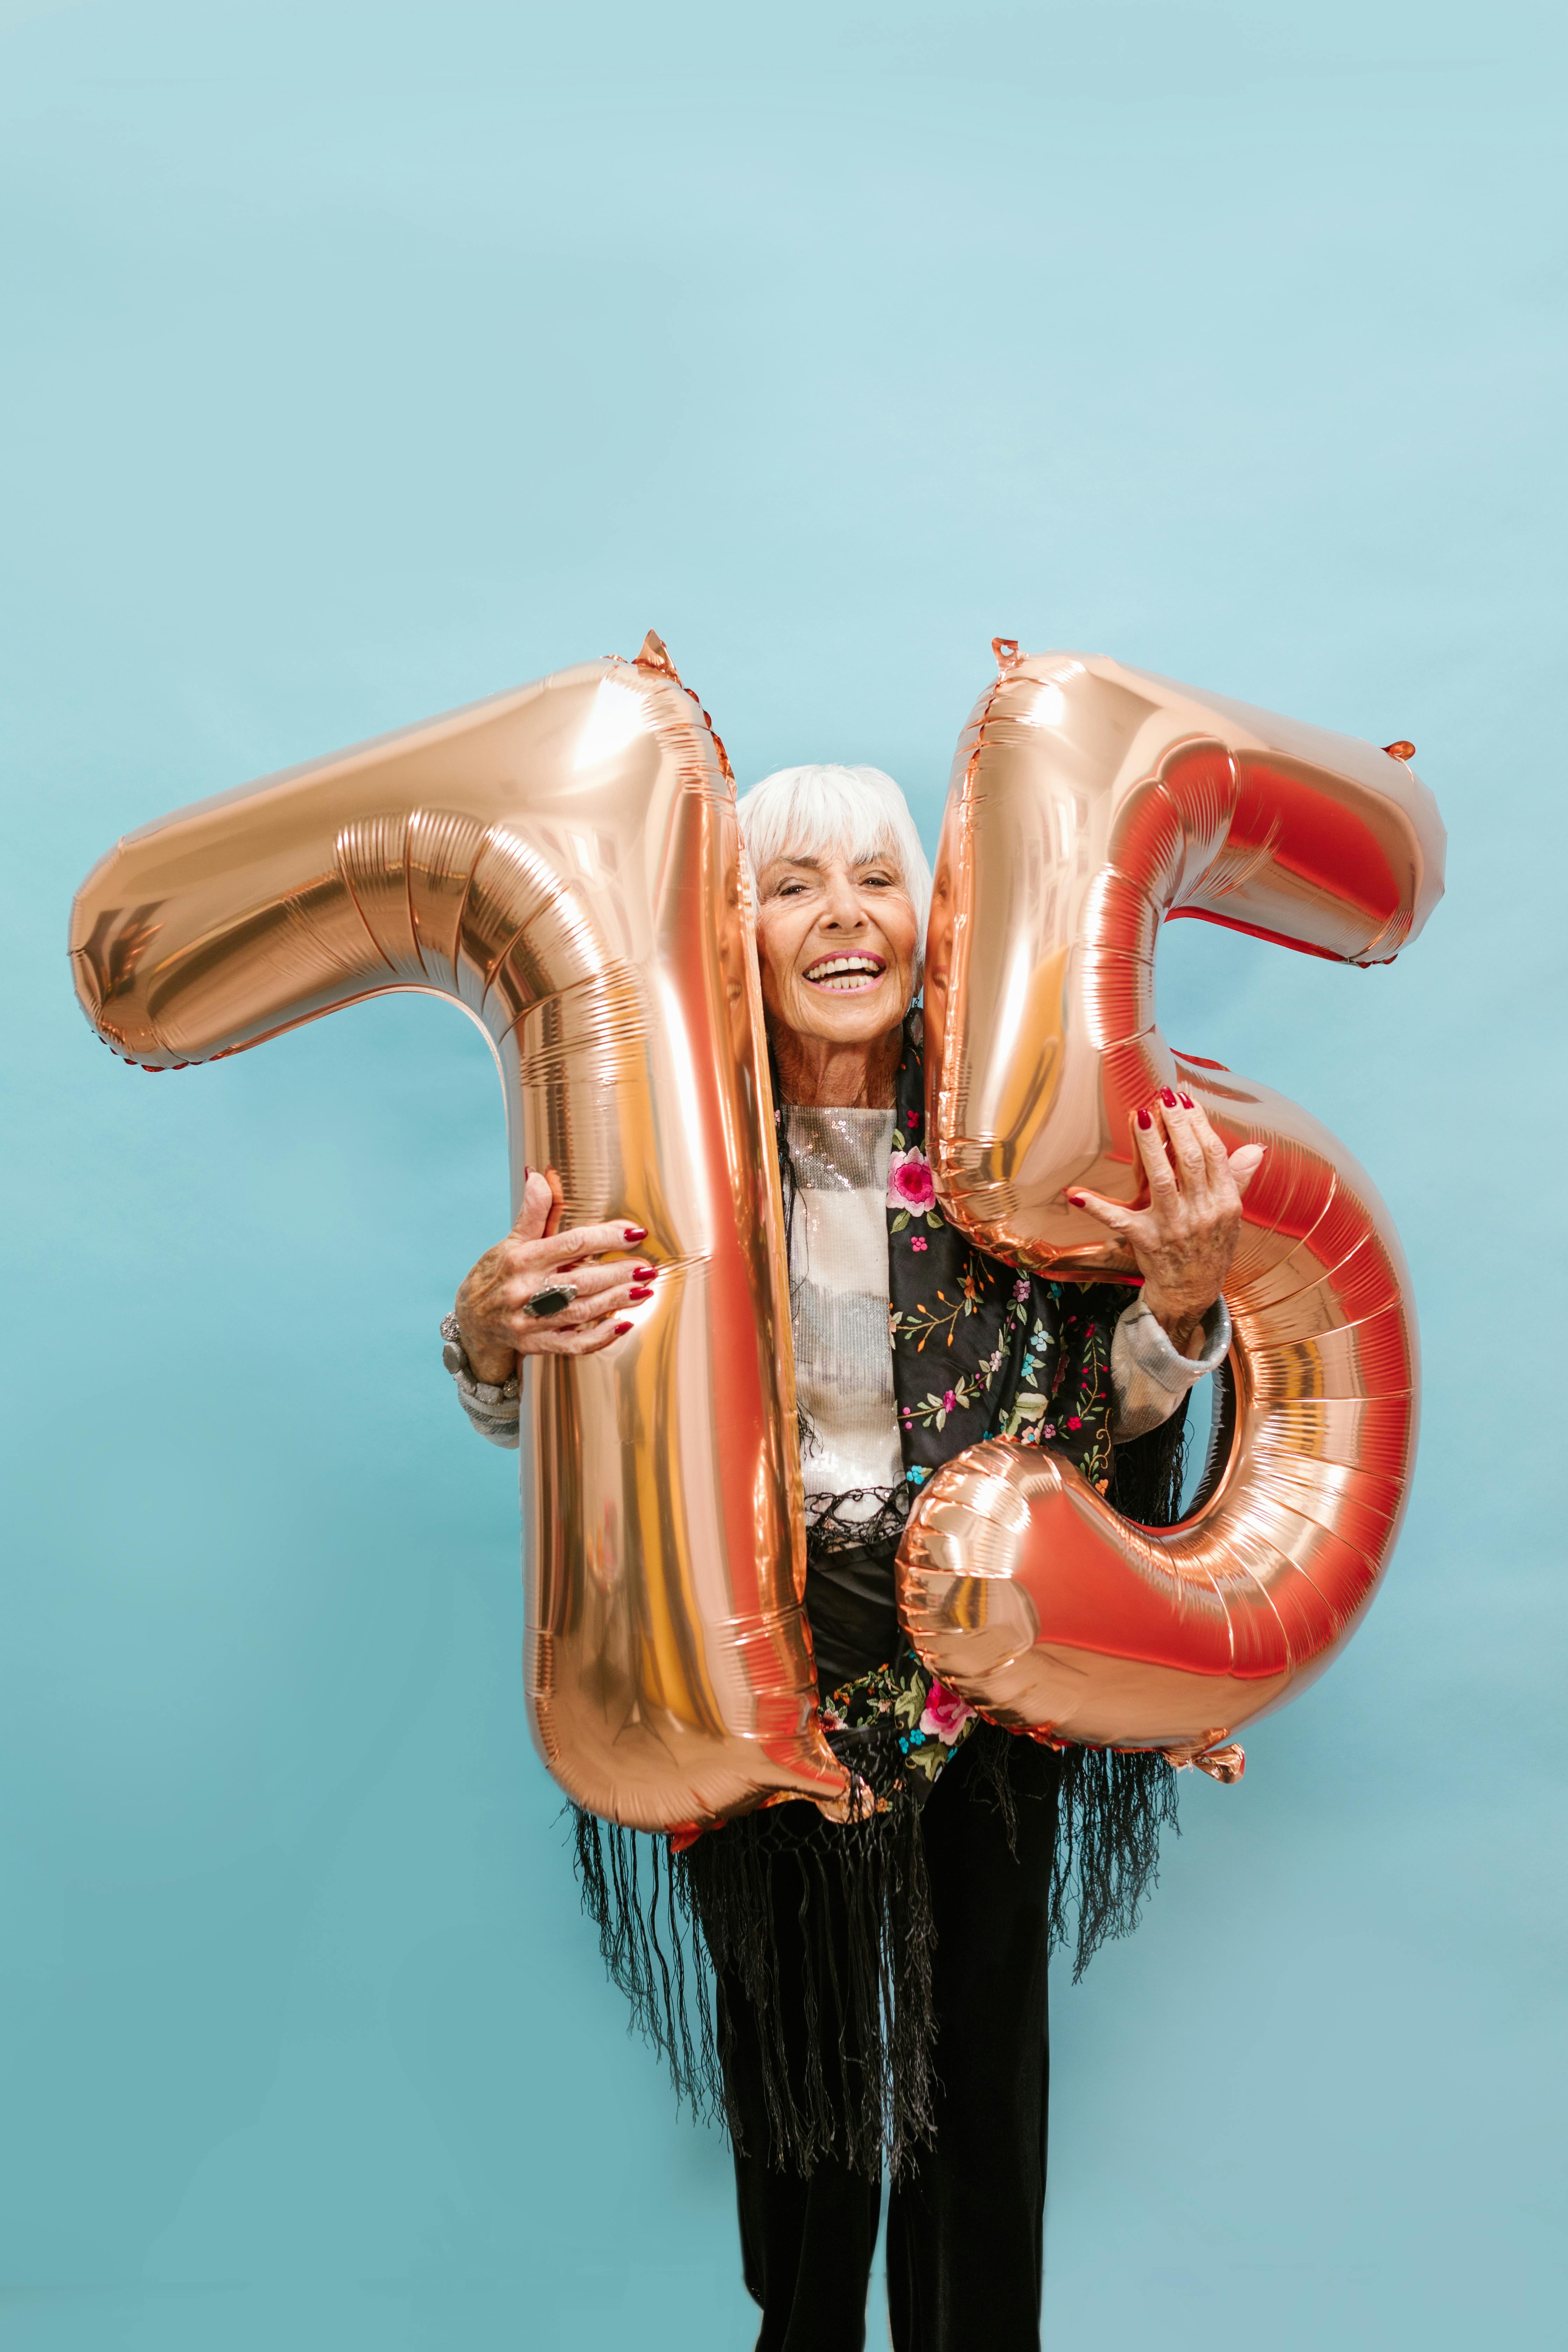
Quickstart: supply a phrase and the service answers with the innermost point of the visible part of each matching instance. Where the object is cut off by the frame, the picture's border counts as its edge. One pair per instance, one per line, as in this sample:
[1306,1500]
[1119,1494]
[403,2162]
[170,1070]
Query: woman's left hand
[1186,1237]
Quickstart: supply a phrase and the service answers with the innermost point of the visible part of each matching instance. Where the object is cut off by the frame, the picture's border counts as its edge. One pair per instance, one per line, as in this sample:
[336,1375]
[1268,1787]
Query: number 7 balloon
[563,862]
[1089,803]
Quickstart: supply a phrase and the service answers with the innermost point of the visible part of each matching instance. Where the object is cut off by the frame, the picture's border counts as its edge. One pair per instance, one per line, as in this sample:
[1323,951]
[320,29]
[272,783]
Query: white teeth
[844,967]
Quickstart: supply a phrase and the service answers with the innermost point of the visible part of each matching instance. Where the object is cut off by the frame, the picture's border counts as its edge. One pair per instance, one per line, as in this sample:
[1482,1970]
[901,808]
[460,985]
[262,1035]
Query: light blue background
[366,356]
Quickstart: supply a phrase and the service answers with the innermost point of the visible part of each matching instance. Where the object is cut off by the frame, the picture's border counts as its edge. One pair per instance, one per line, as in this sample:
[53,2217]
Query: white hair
[856,813]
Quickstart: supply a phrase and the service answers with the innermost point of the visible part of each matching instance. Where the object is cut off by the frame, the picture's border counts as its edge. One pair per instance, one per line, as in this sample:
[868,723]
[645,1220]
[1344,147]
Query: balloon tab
[1400,750]
[655,655]
[1224,1765]
[1006,652]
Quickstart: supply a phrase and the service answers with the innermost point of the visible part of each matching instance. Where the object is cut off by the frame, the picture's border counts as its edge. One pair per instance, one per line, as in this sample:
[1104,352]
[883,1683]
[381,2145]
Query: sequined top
[838,1308]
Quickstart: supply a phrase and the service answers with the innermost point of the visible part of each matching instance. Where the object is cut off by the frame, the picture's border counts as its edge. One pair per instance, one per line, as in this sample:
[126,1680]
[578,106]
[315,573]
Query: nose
[843,911]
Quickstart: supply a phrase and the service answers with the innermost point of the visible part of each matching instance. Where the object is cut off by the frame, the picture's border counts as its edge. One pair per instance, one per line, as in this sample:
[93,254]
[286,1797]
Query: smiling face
[837,943]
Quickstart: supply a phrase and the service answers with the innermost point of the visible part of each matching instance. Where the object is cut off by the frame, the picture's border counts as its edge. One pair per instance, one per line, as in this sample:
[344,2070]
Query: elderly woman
[880,1980]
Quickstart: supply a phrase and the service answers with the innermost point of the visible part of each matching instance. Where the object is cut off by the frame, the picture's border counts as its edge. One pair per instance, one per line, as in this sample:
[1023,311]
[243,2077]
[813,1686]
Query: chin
[851,1023]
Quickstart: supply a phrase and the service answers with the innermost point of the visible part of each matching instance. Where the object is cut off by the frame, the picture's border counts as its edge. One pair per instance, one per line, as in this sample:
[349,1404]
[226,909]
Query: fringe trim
[850,2071]
[1112,1806]
[653,1949]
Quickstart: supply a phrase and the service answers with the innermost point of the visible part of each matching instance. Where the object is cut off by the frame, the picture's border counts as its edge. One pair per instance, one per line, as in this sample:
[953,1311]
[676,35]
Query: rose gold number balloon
[1089,803]
[564,863]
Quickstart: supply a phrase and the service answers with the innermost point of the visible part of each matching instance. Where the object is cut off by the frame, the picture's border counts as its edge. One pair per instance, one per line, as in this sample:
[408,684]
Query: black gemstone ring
[551,1301]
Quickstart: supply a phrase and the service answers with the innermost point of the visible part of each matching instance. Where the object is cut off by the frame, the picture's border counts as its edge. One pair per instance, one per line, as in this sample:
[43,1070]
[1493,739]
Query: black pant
[964,2222]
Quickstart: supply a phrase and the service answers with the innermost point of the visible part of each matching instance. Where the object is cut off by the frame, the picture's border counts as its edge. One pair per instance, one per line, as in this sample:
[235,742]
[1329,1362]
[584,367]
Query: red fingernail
[644,1272]
[1145,1119]
[636,1232]
[637,1297]
[1077,1200]
[1168,1098]
[1186,1102]
[621,1330]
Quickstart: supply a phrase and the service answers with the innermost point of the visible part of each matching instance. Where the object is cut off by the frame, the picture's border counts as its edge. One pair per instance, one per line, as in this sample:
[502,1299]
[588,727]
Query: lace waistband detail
[862,1518]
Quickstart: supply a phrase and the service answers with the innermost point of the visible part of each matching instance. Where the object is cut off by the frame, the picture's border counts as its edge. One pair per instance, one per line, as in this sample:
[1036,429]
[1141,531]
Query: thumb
[1245,1163]
[533,1220]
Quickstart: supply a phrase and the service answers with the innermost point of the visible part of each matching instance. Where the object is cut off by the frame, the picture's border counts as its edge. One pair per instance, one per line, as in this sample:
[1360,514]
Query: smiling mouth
[843,975]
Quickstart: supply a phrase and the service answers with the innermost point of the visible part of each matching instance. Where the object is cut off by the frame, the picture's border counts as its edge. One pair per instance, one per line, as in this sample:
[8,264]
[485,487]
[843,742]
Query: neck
[826,1076]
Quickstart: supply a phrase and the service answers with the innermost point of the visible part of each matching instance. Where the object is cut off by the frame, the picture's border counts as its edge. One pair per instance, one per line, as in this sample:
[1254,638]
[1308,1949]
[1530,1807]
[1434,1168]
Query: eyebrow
[786,865]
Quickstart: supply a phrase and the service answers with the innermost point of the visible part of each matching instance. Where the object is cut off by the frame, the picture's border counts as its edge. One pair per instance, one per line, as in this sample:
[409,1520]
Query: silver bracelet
[455,1356]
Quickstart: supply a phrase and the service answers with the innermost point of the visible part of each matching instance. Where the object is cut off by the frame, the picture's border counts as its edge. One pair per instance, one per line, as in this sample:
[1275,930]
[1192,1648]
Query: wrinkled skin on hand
[498,1330]
[1185,1238]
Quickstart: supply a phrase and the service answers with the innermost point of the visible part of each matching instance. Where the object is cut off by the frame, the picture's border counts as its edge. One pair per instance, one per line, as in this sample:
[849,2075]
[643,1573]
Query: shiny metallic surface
[1089,804]
[564,864]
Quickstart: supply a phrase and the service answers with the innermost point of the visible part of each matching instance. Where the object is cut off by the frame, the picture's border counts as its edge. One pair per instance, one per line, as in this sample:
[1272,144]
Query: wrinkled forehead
[812,856]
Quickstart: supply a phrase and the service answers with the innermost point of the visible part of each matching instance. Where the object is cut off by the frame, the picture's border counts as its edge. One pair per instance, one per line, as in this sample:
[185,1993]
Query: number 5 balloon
[564,863]
[1089,803]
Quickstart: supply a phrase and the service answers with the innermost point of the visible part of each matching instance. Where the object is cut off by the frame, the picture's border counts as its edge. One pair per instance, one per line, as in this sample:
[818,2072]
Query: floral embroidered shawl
[980,1349]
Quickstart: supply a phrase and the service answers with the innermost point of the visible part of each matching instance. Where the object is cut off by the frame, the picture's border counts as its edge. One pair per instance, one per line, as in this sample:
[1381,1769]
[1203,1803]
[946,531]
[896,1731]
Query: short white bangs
[856,813]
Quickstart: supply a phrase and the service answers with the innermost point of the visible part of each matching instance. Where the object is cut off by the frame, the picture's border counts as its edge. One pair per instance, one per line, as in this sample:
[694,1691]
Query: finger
[558,1202]
[1185,1150]
[603,1303]
[1215,1159]
[1245,1165]
[1150,1137]
[598,1291]
[521,1325]
[589,1281]
[534,1210]
[1110,1214]
[587,1241]
[586,1342]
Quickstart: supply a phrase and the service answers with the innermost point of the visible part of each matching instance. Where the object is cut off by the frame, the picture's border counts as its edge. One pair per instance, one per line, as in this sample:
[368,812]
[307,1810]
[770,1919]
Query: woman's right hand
[492,1316]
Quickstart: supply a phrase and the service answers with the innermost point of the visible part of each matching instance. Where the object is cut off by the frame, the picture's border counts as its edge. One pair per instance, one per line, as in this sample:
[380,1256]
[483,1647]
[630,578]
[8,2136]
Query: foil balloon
[1089,804]
[564,864]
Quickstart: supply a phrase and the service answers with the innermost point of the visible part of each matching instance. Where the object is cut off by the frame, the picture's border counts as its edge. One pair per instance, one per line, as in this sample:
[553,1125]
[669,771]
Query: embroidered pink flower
[909,1181]
[919,1241]
[949,1401]
[1021,1287]
[945,1714]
